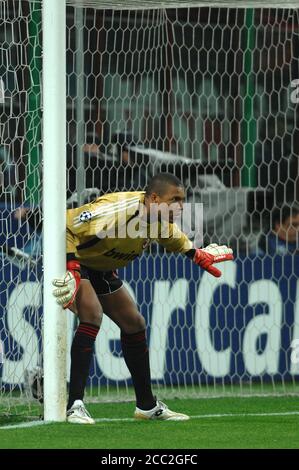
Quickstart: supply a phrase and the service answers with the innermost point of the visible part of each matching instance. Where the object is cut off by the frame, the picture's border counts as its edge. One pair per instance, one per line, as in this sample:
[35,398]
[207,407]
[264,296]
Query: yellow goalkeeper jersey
[108,232]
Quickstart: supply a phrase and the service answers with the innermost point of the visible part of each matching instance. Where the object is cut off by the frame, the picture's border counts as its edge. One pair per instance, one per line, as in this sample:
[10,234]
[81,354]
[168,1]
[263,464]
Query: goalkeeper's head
[164,197]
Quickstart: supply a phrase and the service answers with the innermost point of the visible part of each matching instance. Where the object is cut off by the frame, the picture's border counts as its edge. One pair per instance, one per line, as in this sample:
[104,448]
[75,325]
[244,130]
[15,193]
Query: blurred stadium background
[208,93]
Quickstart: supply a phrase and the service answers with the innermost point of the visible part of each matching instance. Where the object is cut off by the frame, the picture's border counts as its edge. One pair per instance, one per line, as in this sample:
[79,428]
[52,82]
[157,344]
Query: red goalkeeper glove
[67,286]
[206,257]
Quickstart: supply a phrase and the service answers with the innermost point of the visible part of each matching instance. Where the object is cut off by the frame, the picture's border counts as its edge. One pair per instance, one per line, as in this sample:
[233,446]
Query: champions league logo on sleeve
[85,216]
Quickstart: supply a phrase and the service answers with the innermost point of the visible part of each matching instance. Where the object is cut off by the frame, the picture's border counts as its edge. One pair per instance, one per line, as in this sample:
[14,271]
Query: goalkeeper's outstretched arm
[206,257]
[177,241]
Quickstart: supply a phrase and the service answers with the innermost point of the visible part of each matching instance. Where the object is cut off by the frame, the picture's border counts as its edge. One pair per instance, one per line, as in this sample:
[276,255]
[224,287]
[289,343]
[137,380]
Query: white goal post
[146,75]
[54,203]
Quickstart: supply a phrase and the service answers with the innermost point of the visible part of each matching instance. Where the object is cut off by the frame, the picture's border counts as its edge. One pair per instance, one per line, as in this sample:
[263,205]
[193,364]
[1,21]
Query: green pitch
[265,422]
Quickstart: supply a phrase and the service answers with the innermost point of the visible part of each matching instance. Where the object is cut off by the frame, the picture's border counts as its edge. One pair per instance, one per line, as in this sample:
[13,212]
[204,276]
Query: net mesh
[206,94]
[209,94]
[151,4]
[20,230]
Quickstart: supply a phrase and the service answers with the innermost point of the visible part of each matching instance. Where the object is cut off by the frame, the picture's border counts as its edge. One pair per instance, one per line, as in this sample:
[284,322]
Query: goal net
[208,91]
[20,195]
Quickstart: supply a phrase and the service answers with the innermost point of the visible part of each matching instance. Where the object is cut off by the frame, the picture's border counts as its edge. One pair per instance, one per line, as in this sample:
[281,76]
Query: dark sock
[136,356]
[81,354]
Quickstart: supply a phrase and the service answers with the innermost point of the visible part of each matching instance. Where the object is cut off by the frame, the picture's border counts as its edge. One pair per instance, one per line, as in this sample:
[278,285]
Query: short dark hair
[160,181]
[281,214]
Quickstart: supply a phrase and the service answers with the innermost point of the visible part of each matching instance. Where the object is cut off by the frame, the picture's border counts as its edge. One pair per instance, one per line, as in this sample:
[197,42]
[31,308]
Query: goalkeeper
[91,286]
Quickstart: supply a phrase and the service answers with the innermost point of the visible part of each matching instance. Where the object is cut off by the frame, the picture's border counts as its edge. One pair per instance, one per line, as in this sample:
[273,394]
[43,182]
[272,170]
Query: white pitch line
[111,420]
[245,415]
[223,415]
[29,424]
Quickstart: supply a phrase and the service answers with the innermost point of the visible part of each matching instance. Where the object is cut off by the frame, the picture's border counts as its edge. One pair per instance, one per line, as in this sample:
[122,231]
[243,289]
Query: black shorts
[103,282]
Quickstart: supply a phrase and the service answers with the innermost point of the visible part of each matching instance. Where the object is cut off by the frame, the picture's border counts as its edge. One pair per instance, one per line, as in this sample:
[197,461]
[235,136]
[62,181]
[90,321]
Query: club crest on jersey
[85,216]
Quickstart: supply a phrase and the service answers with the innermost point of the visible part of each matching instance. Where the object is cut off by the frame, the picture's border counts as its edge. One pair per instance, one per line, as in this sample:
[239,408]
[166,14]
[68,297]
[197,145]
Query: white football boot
[78,414]
[161,412]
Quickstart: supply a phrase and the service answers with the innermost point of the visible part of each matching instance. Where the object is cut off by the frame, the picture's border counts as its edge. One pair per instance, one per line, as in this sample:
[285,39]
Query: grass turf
[242,430]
